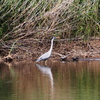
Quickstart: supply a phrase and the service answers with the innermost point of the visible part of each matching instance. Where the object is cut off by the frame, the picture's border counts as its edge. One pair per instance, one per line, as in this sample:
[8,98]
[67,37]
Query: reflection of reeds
[69,79]
[76,80]
[46,17]
[4,70]
[27,81]
[31,82]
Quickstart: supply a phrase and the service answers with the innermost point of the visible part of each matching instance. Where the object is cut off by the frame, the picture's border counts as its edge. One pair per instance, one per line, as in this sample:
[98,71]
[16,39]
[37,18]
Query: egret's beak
[57,37]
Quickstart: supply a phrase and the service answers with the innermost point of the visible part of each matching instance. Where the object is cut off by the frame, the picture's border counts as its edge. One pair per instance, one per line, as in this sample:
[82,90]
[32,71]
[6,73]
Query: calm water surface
[55,81]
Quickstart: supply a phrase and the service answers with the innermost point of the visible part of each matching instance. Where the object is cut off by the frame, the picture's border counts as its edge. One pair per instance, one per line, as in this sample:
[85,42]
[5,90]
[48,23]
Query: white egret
[46,55]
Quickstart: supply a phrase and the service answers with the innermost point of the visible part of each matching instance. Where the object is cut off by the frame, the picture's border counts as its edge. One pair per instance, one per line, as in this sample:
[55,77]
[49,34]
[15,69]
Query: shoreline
[30,49]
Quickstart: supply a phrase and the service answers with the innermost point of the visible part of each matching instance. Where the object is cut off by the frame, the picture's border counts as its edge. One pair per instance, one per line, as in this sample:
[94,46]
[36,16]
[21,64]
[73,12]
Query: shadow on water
[56,81]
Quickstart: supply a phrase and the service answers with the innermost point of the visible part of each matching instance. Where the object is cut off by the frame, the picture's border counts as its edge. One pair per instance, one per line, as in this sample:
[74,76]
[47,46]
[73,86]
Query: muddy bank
[31,49]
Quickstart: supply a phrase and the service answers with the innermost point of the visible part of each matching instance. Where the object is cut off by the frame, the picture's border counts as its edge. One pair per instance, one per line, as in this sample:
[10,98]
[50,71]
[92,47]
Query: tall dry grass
[45,18]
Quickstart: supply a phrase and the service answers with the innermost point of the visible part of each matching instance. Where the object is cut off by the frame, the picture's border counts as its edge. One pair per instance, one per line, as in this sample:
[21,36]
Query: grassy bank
[46,18]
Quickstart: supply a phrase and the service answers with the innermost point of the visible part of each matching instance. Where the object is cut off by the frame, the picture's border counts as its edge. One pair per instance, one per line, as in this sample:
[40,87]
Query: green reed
[44,18]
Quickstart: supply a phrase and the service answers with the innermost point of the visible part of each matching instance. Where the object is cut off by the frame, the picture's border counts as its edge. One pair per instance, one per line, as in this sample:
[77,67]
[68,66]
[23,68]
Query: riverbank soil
[31,49]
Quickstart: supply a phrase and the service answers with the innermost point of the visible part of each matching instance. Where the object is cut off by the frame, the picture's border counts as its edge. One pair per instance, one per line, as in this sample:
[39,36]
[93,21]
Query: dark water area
[56,81]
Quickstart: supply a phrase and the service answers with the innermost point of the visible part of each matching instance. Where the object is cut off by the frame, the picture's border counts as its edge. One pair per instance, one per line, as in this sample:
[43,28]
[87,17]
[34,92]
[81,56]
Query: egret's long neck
[51,45]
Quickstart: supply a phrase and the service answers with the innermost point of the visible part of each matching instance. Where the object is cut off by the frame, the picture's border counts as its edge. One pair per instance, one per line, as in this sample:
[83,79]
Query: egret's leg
[45,62]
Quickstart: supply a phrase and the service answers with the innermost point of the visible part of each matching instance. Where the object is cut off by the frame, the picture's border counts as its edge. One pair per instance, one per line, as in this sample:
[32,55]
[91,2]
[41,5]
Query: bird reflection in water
[47,71]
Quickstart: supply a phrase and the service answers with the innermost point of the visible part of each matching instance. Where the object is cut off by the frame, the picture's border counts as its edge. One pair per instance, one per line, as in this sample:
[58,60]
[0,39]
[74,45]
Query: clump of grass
[44,18]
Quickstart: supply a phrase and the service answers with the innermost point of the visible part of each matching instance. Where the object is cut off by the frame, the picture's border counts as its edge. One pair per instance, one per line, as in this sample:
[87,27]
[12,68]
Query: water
[55,81]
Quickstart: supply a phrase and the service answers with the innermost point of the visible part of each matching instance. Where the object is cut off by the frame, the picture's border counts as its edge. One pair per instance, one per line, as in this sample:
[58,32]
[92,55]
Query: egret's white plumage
[46,55]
